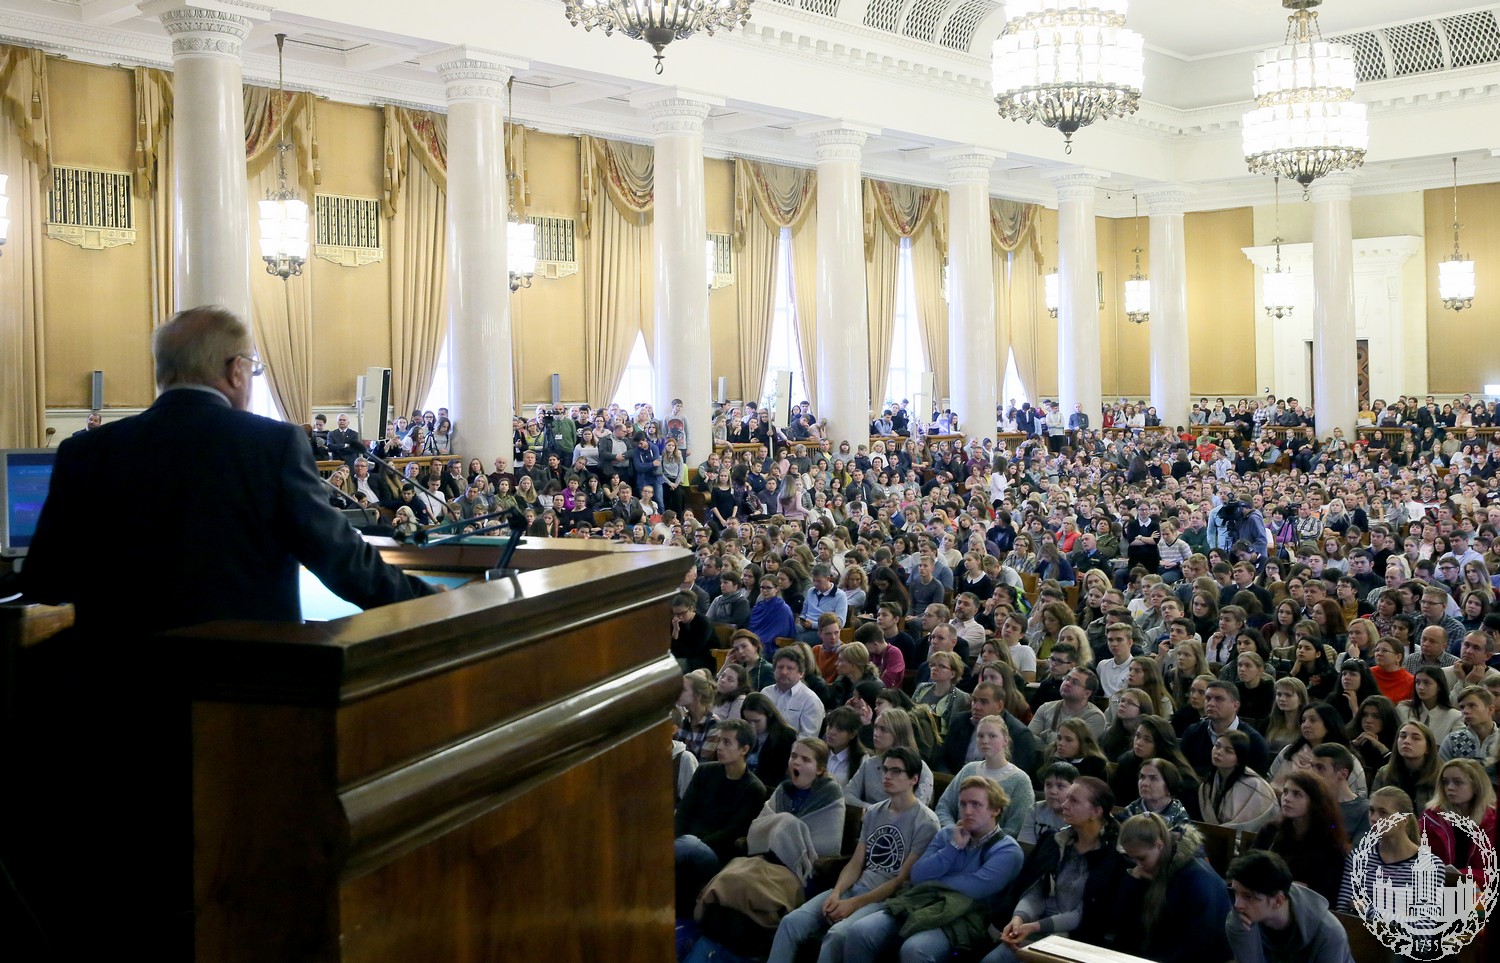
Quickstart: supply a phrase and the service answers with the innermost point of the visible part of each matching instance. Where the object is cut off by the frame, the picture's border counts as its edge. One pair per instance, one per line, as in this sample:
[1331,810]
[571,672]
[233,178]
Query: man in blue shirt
[825,597]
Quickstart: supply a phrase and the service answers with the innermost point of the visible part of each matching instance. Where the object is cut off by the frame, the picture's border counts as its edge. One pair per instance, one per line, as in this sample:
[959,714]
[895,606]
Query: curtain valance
[782,196]
[625,173]
[903,210]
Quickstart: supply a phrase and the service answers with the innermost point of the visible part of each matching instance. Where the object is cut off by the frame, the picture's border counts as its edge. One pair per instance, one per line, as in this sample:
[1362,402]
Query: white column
[1170,391]
[1078,377]
[971,290]
[843,311]
[483,401]
[681,357]
[210,206]
[1334,377]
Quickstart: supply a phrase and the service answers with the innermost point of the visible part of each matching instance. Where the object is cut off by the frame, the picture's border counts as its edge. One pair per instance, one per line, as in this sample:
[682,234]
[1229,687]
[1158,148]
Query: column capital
[1333,187]
[968,164]
[674,110]
[470,73]
[206,28]
[1074,183]
[836,140]
[1167,200]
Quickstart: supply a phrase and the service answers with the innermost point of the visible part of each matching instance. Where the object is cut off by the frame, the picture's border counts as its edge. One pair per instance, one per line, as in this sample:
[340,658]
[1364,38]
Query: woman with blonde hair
[1189,663]
[1395,855]
[992,740]
[852,666]
[865,788]
[1145,674]
[1463,789]
[1079,639]
[1284,725]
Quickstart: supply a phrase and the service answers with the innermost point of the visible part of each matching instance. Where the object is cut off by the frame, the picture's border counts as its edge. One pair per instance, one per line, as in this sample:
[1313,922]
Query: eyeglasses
[257,366]
[894,771]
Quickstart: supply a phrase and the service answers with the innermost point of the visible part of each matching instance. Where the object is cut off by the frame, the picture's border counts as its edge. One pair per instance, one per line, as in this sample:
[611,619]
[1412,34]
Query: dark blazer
[770,765]
[342,443]
[1198,744]
[209,530]
[1024,751]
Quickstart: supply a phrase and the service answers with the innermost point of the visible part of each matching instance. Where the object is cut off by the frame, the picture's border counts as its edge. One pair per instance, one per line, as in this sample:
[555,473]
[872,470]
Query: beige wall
[1221,303]
[98,303]
[1463,352]
[547,318]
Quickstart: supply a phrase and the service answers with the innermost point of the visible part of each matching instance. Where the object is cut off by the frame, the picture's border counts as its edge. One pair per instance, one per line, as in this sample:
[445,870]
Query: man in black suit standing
[219,507]
[344,443]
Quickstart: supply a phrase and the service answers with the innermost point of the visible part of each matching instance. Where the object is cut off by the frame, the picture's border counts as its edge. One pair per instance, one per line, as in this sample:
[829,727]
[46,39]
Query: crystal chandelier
[1050,292]
[520,236]
[1304,124]
[1455,274]
[1277,287]
[1067,63]
[658,22]
[283,215]
[1137,289]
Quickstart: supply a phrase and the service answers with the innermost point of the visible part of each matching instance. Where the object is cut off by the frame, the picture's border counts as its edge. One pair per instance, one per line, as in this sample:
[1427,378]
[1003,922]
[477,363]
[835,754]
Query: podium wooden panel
[481,775]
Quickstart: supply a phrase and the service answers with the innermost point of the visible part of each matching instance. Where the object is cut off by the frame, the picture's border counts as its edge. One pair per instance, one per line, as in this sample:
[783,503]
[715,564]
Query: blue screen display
[27,476]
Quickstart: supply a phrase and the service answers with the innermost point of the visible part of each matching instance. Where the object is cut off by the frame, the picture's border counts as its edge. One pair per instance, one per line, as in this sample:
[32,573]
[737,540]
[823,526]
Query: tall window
[635,385]
[261,402]
[907,359]
[784,353]
[440,395]
[1012,388]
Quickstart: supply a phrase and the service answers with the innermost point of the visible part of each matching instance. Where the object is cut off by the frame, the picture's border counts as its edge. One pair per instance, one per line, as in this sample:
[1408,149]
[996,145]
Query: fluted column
[843,311]
[1170,390]
[1335,386]
[210,202]
[971,290]
[681,357]
[1078,378]
[483,389]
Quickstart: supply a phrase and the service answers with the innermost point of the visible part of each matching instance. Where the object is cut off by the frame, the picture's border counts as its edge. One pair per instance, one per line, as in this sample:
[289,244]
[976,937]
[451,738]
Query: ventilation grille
[958,32]
[922,19]
[1425,46]
[884,15]
[81,197]
[723,254]
[555,238]
[828,8]
[347,230]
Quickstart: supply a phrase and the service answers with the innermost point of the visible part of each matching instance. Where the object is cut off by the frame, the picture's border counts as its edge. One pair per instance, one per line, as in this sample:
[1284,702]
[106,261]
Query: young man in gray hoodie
[1275,920]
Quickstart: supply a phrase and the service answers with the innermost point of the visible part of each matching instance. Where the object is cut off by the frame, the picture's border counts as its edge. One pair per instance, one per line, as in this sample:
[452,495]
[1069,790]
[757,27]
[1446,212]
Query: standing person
[894,834]
[1278,919]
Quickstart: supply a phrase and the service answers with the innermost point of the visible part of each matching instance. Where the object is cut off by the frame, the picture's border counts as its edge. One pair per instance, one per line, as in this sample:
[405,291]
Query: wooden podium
[481,775]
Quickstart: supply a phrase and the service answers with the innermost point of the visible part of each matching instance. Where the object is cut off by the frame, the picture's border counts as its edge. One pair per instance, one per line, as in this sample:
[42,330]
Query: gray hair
[193,347]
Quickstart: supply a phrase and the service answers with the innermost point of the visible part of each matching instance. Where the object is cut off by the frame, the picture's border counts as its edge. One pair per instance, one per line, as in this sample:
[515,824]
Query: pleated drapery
[805,299]
[615,218]
[892,212]
[24,155]
[932,309]
[1020,293]
[767,198]
[882,266]
[153,181]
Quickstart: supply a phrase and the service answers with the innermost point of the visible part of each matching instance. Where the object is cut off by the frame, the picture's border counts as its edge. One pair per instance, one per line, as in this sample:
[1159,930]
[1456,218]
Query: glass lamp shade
[1304,124]
[520,247]
[1456,282]
[283,230]
[1278,290]
[1050,283]
[1137,297]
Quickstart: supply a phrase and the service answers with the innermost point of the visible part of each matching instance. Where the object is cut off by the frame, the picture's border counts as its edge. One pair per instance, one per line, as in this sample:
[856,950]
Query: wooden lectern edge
[399,811]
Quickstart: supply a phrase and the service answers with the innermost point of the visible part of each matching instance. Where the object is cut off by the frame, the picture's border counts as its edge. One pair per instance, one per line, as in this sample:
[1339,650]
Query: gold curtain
[903,210]
[24,145]
[882,265]
[269,116]
[618,286]
[1026,309]
[153,181]
[1014,224]
[932,310]
[805,299]
[767,198]
[417,205]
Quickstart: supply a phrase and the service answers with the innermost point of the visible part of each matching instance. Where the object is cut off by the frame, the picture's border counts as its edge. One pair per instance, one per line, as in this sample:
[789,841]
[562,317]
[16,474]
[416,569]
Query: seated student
[745,649]
[947,701]
[771,618]
[892,729]
[1221,704]
[716,810]
[973,857]
[1075,745]
[1414,765]
[1236,797]
[1479,736]
[993,740]
[1045,817]
[1174,904]
[1395,856]
[1078,688]
[730,607]
[1161,787]
[1276,918]
[1464,789]
[1071,880]
[1332,763]
[894,834]
[773,738]
[1309,834]
[1431,703]
[796,702]
[841,730]
[692,635]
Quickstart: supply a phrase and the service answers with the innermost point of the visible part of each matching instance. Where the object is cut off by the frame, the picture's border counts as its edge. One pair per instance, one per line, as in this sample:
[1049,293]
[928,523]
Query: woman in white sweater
[1236,797]
[992,740]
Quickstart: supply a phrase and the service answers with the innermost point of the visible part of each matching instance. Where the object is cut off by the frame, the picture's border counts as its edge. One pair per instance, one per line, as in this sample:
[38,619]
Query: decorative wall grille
[723,260]
[556,245]
[347,230]
[91,209]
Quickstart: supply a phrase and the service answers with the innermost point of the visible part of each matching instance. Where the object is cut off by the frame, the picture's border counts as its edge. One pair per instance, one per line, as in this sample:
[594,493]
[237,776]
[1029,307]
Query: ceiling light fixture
[1456,273]
[1050,289]
[520,236]
[1137,289]
[1278,286]
[1067,65]
[1305,124]
[283,215]
[658,22]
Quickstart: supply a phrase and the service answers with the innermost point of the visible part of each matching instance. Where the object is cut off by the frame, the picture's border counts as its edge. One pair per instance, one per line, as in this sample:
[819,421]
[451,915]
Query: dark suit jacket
[344,443]
[1023,747]
[208,530]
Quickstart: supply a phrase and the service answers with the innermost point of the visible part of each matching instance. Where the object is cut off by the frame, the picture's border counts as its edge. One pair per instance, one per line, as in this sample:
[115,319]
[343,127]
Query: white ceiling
[802,59]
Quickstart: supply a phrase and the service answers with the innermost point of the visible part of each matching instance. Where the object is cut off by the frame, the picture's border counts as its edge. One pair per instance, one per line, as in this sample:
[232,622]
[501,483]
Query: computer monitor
[25,474]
